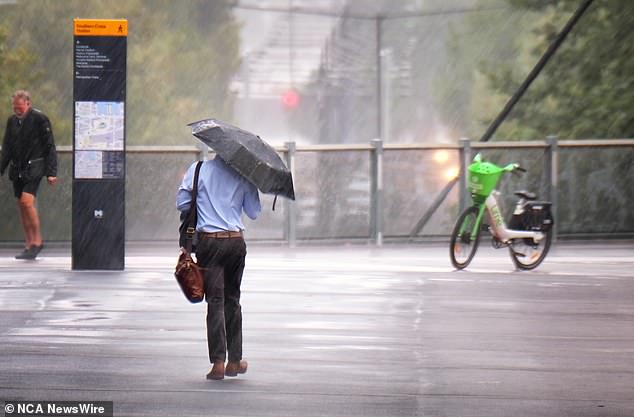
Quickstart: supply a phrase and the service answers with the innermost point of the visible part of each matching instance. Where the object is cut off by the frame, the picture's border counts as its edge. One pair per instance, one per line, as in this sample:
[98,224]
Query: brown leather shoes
[235,368]
[217,371]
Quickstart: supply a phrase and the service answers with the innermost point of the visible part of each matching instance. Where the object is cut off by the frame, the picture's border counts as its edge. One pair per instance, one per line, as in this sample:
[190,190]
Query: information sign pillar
[99,93]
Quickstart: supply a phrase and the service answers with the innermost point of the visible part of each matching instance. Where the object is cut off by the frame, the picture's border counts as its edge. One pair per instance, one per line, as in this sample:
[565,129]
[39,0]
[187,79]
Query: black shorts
[30,187]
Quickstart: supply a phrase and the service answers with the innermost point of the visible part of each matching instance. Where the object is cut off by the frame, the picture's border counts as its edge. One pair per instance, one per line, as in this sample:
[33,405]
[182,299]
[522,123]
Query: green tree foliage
[585,91]
[14,65]
[181,57]
[479,46]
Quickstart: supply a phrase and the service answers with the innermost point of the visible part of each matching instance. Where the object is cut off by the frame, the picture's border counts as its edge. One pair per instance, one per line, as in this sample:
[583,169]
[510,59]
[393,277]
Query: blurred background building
[346,71]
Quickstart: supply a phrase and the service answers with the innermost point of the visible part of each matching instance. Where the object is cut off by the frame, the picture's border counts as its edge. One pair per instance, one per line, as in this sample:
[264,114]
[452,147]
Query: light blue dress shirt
[222,196]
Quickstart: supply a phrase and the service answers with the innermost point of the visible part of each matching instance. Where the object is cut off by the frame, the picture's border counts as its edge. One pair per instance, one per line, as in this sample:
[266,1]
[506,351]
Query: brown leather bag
[188,274]
[190,278]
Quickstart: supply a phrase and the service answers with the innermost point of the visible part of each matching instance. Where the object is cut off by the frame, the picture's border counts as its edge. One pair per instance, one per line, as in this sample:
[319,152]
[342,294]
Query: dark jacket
[29,139]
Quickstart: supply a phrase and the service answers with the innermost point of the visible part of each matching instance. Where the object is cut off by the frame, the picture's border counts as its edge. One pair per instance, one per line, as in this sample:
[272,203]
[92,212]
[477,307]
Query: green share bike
[529,233]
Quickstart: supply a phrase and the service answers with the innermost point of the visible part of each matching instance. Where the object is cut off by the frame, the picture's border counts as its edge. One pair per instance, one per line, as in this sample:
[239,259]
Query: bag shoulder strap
[192,219]
[195,184]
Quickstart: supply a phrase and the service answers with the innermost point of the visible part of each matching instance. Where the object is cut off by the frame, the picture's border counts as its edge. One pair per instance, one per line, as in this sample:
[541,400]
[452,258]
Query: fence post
[465,158]
[290,226]
[376,192]
[551,161]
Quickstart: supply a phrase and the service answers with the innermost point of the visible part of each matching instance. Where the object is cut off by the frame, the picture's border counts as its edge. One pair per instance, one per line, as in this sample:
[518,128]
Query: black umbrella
[248,154]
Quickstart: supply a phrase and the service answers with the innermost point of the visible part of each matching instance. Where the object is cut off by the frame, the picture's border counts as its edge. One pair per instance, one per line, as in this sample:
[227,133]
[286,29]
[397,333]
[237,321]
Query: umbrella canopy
[248,154]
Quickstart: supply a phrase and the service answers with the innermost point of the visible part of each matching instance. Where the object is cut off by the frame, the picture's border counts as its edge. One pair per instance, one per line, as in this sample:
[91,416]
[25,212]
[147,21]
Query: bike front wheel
[527,254]
[463,244]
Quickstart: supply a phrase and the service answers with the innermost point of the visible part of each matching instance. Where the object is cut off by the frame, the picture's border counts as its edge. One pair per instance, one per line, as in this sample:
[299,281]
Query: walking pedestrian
[223,195]
[28,149]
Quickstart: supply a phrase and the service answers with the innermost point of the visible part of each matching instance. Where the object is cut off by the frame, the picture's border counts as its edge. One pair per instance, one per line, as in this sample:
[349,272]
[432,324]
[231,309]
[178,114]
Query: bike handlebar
[477,160]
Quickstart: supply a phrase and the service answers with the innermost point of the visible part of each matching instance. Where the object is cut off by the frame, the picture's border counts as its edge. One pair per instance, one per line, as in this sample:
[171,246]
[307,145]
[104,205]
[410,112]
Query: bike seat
[526,194]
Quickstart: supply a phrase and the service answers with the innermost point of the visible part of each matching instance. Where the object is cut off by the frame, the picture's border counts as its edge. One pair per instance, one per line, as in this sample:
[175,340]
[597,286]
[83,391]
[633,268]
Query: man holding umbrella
[223,194]
[226,187]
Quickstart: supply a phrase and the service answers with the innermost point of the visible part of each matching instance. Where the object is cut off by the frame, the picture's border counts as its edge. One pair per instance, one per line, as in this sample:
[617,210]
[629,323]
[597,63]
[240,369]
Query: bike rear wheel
[527,254]
[463,246]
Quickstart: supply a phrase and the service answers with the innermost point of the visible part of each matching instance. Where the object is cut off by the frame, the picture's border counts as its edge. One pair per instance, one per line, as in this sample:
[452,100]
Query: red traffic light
[290,99]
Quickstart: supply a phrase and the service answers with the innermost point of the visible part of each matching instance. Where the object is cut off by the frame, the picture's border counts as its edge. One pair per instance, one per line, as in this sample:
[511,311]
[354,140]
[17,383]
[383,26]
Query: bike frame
[498,226]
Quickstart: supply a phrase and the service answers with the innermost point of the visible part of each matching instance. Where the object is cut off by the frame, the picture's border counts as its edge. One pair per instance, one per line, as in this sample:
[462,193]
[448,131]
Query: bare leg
[30,220]
[24,226]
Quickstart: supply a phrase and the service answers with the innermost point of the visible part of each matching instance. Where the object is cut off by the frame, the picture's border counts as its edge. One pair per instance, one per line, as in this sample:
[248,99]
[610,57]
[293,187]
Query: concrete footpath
[331,331]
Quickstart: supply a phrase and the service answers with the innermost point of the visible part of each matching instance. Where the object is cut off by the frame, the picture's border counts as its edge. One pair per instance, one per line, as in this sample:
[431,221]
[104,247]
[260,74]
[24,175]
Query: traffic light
[290,99]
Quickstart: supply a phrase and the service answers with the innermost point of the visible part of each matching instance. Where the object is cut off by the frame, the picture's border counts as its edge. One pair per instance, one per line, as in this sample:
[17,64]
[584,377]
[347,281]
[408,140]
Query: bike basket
[482,178]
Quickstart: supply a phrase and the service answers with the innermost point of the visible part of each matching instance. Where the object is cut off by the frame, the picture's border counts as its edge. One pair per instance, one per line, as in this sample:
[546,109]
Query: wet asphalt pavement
[331,331]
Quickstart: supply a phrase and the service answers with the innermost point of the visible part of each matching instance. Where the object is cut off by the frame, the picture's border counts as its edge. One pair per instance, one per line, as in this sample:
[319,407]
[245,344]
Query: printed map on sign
[89,164]
[99,125]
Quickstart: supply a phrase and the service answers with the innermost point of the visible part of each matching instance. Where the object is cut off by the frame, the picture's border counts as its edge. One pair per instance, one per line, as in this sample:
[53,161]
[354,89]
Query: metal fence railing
[370,192]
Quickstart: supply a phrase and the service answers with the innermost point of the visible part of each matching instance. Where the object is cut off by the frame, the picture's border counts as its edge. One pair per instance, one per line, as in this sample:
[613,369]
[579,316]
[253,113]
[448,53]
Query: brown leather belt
[220,235]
